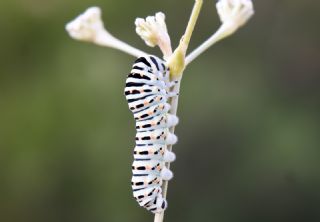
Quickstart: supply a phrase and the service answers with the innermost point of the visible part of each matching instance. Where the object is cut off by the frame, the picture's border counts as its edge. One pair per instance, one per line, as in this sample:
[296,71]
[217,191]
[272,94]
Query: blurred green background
[249,116]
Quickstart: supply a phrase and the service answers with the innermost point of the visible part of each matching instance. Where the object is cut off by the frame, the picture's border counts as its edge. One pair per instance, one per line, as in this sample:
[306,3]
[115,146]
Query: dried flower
[89,27]
[153,30]
[234,13]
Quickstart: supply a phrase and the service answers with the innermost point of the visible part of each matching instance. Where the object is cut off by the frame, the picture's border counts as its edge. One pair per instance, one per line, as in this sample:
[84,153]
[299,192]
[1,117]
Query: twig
[218,35]
[89,27]
[180,51]
[174,107]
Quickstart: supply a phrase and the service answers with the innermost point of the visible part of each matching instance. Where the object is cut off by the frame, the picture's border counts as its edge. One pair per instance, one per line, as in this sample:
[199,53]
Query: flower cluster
[234,13]
[153,30]
[87,26]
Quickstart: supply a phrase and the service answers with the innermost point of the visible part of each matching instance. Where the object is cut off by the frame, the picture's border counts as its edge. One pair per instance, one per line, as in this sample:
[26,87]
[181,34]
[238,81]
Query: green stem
[177,61]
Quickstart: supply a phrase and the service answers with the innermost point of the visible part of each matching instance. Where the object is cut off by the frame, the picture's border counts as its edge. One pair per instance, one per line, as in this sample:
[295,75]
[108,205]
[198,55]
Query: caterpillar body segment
[139,105]
[147,91]
[158,122]
[154,151]
[152,111]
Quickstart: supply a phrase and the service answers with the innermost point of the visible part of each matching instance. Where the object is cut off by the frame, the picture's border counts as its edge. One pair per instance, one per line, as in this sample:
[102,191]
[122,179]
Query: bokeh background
[249,116]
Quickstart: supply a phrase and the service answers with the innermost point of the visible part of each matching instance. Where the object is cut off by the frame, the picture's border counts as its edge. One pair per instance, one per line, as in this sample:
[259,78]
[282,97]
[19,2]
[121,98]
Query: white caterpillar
[147,92]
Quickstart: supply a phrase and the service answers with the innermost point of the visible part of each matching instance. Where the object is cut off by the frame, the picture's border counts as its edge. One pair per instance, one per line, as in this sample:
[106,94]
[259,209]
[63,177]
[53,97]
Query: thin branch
[218,35]
[174,60]
[89,27]
[174,107]
[177,61]
[104,39]
[233,15]
[191,24]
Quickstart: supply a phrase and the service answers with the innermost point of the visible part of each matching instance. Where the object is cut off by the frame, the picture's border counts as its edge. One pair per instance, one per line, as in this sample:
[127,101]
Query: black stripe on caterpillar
[147,91]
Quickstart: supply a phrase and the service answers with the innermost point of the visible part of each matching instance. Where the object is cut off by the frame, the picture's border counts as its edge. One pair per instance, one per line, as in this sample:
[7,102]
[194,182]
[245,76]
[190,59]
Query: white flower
[234,13]
[87,26]
[153,31]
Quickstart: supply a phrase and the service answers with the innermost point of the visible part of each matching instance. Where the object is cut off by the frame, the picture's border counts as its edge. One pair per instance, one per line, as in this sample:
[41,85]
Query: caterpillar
[147,91]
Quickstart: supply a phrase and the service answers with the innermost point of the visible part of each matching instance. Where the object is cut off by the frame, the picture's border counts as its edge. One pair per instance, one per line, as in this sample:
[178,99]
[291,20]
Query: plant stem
[181,49]
[107,40]
[221,33]
[191,24]
[174,107]
[177,60]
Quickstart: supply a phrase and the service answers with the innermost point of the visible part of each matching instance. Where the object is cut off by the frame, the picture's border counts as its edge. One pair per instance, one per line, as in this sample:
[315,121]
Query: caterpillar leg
[166,107]
[173,83]
[161,204]
[169,156]
[171,139]
[172,94]
[166,174]
[172,120]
